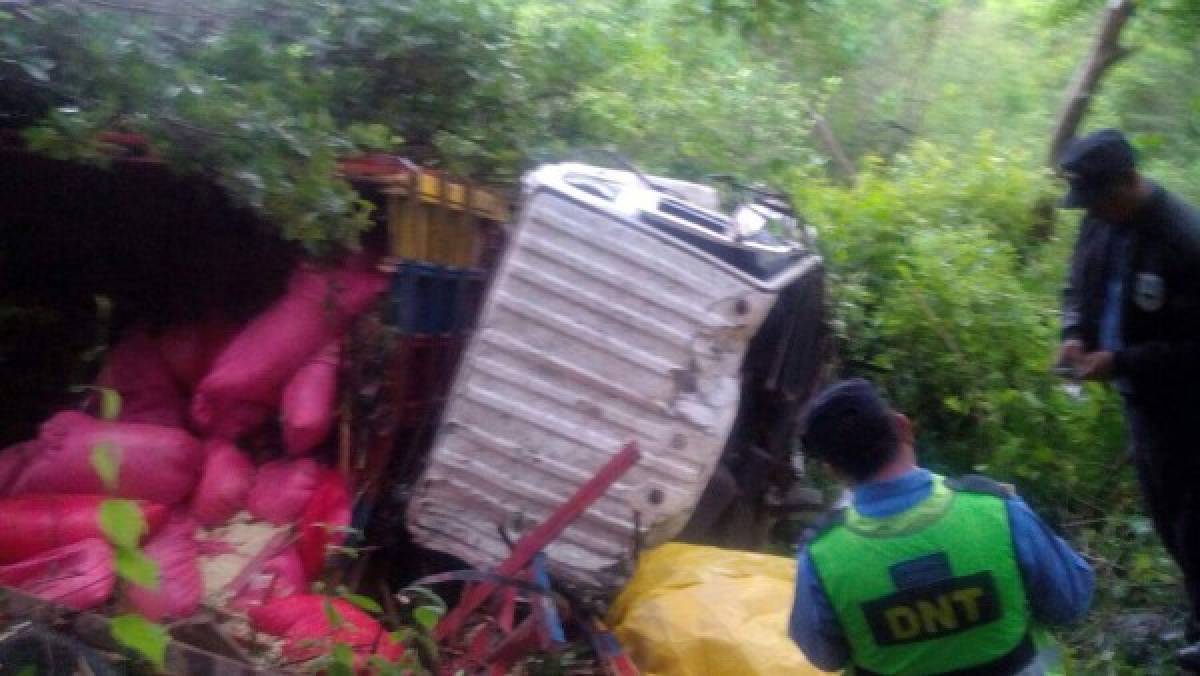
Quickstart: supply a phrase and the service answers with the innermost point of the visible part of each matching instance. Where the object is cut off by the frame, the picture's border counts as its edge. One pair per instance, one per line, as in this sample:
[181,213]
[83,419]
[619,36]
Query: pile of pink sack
[190,396]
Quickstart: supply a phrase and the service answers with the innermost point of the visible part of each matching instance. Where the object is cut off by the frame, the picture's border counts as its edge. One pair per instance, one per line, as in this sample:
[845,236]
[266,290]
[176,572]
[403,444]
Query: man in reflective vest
[922,574]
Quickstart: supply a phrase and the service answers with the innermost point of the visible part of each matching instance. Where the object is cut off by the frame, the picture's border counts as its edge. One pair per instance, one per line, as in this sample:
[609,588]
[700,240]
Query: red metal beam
[537,539]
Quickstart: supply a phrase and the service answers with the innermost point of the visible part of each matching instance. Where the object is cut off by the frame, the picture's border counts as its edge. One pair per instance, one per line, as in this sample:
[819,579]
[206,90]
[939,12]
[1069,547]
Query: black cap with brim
[848,415]
[1093,164]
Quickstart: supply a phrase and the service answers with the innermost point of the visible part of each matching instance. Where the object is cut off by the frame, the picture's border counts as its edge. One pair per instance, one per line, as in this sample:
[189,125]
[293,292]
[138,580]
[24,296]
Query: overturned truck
[623,311]
[502,362]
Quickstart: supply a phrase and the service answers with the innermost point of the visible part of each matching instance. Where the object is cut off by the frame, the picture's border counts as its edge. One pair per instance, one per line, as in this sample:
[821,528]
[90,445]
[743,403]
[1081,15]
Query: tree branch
[1106,52]
[829,140]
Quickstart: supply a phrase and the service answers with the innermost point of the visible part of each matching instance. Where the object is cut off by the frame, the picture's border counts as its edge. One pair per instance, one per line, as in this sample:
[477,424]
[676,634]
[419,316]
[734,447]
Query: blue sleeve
[813,625]
[1058,582]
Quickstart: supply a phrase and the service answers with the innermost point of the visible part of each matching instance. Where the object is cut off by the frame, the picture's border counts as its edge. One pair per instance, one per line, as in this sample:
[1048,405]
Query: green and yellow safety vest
[934,589]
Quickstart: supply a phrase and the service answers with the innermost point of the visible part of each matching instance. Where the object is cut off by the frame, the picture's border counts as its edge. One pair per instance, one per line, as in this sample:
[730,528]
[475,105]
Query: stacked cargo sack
[194,396]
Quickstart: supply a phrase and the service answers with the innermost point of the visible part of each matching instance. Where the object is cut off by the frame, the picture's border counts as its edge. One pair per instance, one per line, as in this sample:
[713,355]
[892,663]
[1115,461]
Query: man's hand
[1095,366]
[1070,355]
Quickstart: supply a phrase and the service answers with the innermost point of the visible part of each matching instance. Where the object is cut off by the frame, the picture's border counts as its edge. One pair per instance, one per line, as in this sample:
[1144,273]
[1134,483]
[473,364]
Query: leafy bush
[946,270]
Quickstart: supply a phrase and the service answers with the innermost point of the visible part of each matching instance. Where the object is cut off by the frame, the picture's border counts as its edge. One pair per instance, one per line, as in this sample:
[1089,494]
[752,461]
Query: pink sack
[189,349]
[180,586]
[13,461]
[224,484]
[282,489]
[136,370]
[78,575]
[302,622]
[236,419]
[280,576]
[324,521]
[307,410]
[33,524]
[254,367]
[160,464]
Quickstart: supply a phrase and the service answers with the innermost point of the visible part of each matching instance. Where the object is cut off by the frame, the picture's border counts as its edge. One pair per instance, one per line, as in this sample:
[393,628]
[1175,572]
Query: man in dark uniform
[1131,316]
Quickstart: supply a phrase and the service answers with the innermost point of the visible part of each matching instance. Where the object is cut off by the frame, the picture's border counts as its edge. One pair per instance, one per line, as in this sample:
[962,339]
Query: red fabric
[149,394]
[302,622]
[282,489]
[180,586]
[280,576]
[160,464]
[323,522]
[78,575]
[189,349]
[33,524]
[224,484]
[308,403]
[255,366]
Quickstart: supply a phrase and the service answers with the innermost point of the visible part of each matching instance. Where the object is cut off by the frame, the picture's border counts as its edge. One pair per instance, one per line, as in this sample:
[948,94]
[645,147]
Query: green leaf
[384,667]
[110,400]
[106,461]
[365,602]
[343,661]
[28,670]
[143,637]
[427,616]
[136,567]
[122,522]
[332,614]
[110,403]
[425,592]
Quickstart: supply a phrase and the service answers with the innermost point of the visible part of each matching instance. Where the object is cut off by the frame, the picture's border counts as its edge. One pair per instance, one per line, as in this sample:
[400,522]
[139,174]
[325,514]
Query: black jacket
[1160,326]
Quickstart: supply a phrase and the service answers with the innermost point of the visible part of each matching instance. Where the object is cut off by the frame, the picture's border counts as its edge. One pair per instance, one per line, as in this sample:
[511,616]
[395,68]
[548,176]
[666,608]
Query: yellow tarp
[703,611]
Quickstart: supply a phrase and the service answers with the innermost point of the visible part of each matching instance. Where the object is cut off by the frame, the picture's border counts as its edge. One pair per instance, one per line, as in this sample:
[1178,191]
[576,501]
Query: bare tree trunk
[833,147]
[1106,51]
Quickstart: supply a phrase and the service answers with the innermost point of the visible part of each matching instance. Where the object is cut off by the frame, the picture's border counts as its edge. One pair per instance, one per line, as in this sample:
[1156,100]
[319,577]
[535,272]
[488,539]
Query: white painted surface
[597,331]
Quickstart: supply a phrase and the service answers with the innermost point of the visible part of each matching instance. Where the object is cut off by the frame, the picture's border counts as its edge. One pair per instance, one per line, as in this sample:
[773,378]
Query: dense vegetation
[945,246]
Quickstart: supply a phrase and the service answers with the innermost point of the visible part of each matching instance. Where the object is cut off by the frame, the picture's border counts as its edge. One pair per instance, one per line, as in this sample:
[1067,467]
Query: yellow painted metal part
[443,223]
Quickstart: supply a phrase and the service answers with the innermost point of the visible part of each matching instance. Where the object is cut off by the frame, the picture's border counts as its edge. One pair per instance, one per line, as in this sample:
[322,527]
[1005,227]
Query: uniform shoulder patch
[977,483]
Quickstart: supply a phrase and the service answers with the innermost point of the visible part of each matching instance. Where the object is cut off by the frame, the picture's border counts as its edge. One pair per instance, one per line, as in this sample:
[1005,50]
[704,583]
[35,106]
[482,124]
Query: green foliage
[946,267]
[265,96]
[106,456]
[110,400]
[332,616]
[106,461]
[420,656]
[124,525]
[132,565]
[364,602]
[427,617]
[1136,584]
[342,663]
[122,522]
[143,637]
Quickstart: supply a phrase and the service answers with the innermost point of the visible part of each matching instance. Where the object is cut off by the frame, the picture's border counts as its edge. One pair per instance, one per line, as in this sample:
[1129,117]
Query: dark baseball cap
[1092,164]
[850,418]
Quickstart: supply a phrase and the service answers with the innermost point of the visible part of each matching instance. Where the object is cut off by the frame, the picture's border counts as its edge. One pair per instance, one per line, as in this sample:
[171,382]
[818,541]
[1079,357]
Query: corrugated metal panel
[597,331]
